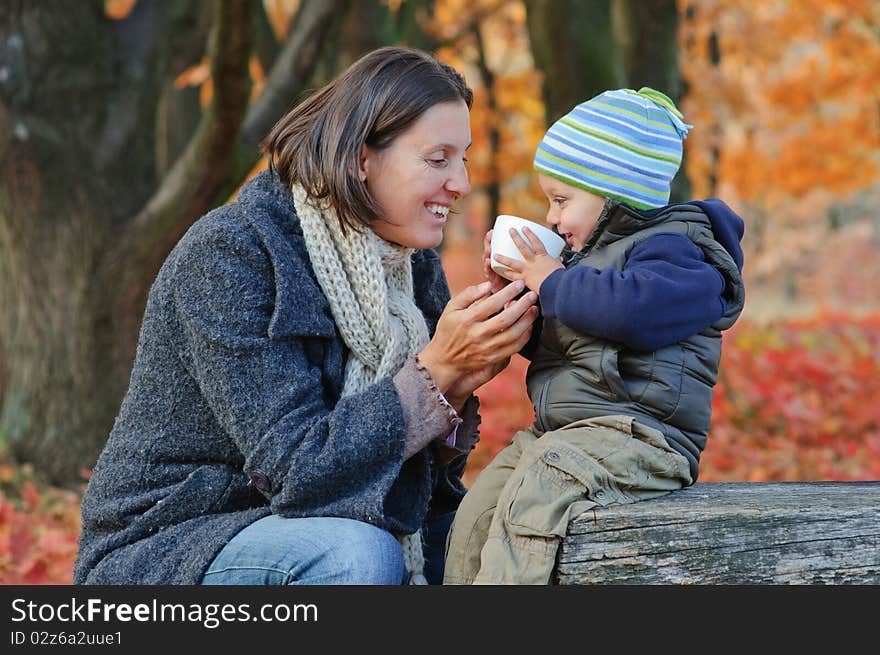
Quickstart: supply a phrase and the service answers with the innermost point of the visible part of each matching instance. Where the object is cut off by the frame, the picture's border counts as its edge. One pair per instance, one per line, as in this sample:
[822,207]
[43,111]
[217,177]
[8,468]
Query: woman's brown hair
[318,143]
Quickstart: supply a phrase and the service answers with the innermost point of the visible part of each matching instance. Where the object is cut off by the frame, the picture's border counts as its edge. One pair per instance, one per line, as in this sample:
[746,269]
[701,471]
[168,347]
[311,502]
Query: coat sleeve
[308,454]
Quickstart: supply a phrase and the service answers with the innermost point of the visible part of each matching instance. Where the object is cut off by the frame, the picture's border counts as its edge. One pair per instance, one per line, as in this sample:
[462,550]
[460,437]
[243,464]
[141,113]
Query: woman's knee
[367,555]
[309,551]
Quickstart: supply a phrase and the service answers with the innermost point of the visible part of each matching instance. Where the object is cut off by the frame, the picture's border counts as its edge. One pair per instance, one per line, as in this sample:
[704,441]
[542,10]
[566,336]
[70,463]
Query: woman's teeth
[438,209]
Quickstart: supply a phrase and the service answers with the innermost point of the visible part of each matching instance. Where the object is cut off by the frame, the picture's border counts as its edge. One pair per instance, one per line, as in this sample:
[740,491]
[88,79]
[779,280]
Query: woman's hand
[495,280]
[476,335]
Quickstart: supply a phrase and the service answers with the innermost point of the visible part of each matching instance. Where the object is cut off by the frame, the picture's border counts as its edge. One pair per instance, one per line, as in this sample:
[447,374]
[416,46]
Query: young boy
[625,359]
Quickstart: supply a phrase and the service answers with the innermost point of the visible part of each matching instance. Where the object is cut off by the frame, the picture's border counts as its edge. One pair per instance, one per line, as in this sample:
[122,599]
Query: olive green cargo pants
[510,523]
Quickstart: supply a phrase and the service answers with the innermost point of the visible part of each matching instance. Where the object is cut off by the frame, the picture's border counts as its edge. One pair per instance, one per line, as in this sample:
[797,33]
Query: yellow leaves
[118,9]
[787,129]
[512,111]
[455,19]
[450,16]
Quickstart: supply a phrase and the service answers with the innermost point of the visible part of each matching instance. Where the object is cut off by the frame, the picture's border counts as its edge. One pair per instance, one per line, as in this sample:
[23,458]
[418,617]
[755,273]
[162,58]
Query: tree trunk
[646,35]
[371,25]
[76,160]
[573,45]
[586,47]
[645,32]
[88,206]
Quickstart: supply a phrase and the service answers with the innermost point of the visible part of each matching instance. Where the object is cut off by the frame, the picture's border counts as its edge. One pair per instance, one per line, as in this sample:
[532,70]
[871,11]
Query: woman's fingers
[514,314]
[511,339]
[484,308]
[469,295]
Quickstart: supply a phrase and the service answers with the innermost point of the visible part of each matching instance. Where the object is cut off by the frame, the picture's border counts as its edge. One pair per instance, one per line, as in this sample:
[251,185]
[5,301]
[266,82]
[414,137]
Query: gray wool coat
[233,410]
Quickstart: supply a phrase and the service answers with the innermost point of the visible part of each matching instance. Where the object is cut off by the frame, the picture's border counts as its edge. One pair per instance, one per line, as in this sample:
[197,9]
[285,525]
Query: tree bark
[741,533]
[645,32]
[573,45]
[87,211]
[77,159]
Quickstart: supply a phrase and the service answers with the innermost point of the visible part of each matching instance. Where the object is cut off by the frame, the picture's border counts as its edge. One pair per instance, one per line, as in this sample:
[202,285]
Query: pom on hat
[622,144]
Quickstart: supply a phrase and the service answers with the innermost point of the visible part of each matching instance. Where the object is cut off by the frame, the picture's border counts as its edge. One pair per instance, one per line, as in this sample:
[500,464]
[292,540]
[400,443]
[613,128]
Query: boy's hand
[538,263]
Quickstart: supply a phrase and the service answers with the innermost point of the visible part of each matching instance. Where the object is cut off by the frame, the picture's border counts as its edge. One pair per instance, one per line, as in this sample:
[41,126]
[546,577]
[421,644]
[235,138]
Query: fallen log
[730,533]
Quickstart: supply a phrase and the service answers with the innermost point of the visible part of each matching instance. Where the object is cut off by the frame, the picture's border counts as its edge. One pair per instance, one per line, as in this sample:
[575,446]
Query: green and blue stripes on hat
[622,144]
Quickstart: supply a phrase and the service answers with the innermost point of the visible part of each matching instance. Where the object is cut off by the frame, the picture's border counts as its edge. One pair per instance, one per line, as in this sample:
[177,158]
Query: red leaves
[504,408]
[38,531]
[797,402]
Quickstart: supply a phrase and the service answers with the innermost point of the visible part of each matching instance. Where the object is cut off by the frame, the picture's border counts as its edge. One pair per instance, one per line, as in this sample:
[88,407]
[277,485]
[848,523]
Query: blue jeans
[322,551]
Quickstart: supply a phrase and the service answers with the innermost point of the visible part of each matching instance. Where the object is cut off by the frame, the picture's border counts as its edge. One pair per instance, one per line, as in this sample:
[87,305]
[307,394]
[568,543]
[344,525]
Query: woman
[301,404]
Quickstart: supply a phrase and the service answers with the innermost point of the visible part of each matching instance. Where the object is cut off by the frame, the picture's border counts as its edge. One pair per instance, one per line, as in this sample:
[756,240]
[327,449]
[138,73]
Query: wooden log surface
[731,533]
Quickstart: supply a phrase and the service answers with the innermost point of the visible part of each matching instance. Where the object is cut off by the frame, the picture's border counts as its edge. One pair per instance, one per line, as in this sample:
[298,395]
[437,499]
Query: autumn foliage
[38,529]
[784,97]
[796,400]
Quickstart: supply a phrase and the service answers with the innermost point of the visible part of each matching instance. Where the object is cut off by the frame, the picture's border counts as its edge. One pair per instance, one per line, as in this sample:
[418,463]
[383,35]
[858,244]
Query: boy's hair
[623,144]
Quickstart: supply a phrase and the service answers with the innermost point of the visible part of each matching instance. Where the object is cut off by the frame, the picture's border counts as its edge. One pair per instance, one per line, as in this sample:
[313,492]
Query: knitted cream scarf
[368,283]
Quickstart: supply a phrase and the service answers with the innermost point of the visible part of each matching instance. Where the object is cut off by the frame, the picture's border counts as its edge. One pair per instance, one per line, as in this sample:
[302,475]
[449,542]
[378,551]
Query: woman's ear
[365,162]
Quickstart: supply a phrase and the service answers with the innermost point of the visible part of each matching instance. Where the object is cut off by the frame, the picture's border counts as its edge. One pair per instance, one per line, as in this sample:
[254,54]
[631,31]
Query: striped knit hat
[622,144]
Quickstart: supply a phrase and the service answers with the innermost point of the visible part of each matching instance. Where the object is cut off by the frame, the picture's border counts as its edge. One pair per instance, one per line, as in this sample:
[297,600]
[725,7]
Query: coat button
[260,480]
[553,456]
[600,495]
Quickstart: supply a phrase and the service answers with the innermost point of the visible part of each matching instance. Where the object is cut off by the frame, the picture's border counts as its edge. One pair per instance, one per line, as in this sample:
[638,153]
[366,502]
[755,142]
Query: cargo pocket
[556,484]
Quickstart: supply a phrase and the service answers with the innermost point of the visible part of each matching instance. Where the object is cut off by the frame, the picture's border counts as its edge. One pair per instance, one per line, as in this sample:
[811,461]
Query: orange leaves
[806,78]
[38,531]
[39,526]
[783,95]
[198,75]
[118,9]
[280,14]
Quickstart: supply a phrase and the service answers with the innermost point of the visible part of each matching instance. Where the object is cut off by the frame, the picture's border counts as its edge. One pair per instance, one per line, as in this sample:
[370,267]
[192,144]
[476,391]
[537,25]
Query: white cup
[503,244]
